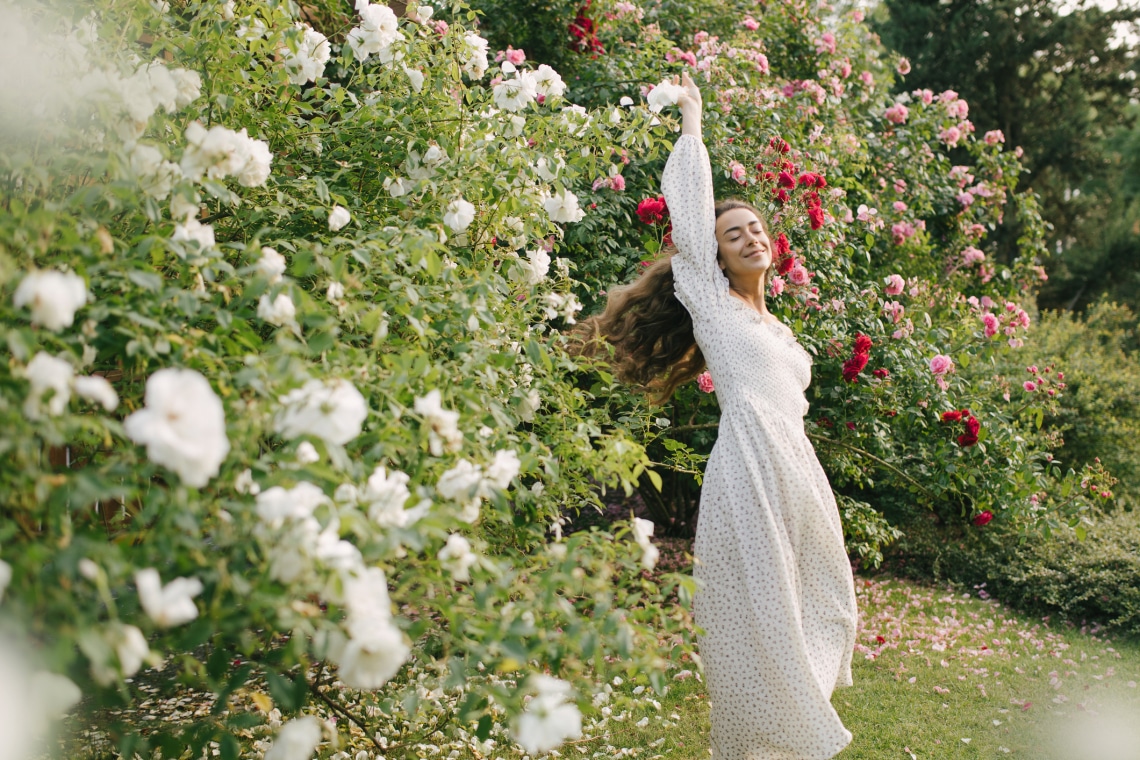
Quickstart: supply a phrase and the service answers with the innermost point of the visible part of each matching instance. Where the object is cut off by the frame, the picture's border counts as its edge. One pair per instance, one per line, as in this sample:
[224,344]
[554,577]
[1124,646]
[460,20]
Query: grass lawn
[941,674]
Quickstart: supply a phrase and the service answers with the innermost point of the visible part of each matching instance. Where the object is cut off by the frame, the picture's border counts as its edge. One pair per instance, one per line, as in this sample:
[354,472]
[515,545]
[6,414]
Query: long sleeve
[688,189]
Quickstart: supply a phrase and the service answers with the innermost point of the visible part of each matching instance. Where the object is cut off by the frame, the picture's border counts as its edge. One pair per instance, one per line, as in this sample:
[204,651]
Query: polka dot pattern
[775,594]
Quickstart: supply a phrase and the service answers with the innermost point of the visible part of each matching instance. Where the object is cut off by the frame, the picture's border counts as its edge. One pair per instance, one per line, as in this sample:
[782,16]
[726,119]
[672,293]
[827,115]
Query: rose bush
[286,405]
[882,207]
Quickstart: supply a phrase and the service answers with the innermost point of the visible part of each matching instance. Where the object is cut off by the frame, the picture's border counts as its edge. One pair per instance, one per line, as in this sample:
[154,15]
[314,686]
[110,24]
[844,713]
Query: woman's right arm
[688,189]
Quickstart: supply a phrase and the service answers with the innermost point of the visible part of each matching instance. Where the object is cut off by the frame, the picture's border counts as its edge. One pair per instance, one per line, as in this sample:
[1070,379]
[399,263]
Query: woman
[776,599]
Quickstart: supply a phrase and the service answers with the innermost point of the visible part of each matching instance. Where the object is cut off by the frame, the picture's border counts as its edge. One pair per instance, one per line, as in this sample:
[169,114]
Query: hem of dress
[830,753]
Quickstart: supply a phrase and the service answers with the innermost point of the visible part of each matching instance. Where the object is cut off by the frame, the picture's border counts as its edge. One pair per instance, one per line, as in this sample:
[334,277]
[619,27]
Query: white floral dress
[775,594]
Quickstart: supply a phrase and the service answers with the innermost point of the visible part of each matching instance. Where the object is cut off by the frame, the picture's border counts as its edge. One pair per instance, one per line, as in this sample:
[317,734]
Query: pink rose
[750,23]
[705,382]
[776,287]
[868,78]
[950,136]
[941,364]
[895,285]
[441,28]
[926,96]
[991,324]
[948,96]
[617,182]
[515,56]
[826,44]
[900,186]
[899,206]
[1029,385]
[903,67]
[798,275]
[895,309]
[896,114]
[738,172]
[966,198]
[972,256]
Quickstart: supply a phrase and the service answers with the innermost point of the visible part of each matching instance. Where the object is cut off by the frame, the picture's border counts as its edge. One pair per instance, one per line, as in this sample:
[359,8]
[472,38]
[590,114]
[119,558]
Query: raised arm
[688,189]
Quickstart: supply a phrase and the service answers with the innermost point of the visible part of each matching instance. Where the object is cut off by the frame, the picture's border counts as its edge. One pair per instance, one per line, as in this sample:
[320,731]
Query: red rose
[853,366]
[782,196]
[815,217]
[820,181]
[850,425]
[787,180]
[983,518]
[862,344]
[951,416]
[652,210]
[786,264]
[891,413]
[807,179]
[882,373]
[783,247]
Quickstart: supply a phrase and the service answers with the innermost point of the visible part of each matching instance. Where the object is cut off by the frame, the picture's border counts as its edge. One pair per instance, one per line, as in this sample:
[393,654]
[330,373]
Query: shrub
[1094,580]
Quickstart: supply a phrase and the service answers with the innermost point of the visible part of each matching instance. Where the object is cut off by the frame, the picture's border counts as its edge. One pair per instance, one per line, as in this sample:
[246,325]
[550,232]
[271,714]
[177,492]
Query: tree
[1057,84]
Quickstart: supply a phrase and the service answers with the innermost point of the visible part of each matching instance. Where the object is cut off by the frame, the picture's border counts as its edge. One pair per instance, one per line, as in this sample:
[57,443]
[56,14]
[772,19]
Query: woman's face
[745,249]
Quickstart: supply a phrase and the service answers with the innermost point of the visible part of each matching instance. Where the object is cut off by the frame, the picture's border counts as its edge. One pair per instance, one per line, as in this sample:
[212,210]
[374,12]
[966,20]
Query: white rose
[307,63]
[280,311]
[188,84]
[369,661]
[549,719]
[52,296]
[548,83]
[563,207]
[475,64]
[169,605]
[245,484]
[276,505]
[444,423]
[183,425]
[271,264]
[386,494]
[256,168]
[335,291]
[193,230]
[664,94]
[307,453]
[333,411]
[97,389]
[216,152]
[339,217]
[458,557]
[297,740]
[416,77]
[459,215]
[47,373]
[535,266]
[503,468]
[156,175]
[515,94]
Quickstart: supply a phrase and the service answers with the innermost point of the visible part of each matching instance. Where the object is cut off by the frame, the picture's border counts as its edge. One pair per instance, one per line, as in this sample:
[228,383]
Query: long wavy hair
[650,331]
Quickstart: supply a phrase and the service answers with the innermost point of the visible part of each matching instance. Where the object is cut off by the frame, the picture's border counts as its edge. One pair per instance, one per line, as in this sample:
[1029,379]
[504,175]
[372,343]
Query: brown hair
[650,331]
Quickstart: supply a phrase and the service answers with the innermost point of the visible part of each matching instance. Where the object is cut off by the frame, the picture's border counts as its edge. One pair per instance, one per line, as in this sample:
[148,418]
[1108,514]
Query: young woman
[775,599]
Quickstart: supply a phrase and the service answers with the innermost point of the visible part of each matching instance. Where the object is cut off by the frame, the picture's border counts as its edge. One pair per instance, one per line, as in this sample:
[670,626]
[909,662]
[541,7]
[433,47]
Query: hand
[690,98]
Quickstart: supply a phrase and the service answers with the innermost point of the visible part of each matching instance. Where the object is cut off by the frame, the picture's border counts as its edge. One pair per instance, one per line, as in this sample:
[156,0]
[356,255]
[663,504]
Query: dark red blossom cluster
[983,518]
[653,210]
[969,421]
[781,173]
[584,33]
[784,259]
[860,355]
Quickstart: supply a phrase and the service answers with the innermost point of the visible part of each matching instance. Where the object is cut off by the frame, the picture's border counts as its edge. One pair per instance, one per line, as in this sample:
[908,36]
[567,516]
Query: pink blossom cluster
[961,175]
[901,232]
[896,114]
[750,23]
[616,183]
[972,255]
[1042,381]
[511,55]
[994,136]
[895,284]
[894,310]
[926,96]
[955,107]
[825,43]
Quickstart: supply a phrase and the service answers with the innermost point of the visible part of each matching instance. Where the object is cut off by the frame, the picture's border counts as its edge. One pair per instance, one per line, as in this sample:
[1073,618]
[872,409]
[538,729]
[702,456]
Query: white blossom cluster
[378,31]
[307,62]
[219,152]
[563,207]
[526,87]
[53,297]
[376,647]
[664,94]
[468,484]
[47,374]
[534,268]
[475,62]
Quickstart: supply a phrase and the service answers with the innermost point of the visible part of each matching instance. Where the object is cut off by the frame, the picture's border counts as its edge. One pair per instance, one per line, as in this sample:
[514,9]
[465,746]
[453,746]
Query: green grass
[946,670]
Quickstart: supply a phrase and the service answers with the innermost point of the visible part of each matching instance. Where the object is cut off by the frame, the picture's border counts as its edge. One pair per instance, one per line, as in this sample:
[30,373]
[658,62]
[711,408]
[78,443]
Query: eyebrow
[741,226]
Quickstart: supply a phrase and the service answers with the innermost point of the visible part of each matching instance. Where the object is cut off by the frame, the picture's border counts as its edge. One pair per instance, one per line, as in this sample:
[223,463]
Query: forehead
[737,217]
